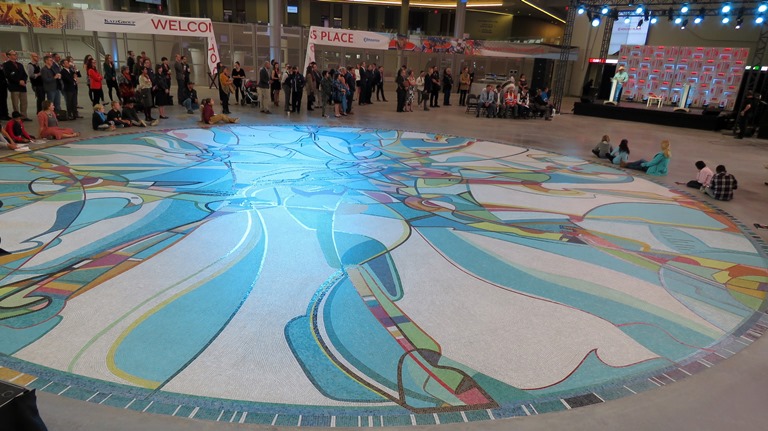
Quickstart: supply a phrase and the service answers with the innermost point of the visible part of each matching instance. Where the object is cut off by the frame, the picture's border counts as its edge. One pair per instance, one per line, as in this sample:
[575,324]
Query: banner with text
[430,44]
[126,22]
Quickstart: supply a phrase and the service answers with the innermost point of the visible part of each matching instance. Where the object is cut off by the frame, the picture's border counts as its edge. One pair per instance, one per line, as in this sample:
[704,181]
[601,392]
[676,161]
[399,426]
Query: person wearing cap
[621,77]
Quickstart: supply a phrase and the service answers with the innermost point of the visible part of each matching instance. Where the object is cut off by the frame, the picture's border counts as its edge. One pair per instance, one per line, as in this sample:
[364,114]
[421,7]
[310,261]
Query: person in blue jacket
[658,166]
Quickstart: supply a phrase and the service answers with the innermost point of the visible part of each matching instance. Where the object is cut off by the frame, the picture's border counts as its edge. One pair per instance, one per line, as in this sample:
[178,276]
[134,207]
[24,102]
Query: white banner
[142,23]
[341,37]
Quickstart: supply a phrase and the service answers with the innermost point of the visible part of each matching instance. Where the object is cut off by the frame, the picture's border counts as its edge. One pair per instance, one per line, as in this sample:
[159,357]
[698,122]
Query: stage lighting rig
[762,8]
[685,23]
[596,21]
[760,19]
[581,10]
[685,8]
[678,20]
[726,8]
[604,10]
[726,19]
[654,19]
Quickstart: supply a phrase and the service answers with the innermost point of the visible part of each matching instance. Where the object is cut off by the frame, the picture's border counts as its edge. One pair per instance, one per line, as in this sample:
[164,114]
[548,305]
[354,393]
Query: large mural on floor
[359,272]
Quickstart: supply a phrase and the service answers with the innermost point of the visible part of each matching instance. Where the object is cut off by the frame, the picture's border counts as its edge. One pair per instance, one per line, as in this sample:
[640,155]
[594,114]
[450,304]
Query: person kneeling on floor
[722,185]
[209,117]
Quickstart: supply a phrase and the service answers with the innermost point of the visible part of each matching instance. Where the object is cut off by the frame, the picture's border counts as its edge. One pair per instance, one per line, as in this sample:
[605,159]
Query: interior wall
[525,26]
[488,26]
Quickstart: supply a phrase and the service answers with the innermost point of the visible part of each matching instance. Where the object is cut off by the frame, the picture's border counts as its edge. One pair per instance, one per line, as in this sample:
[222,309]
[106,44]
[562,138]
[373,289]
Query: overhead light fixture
[684,9]
[653,20]
[604,10]
[739,22]
[581,10]
[698,20]
[685,23]
[639,10]
[678,20]
[759,19]
[726,8]
[626,20]
[726,20]
[596,21]
[762,8]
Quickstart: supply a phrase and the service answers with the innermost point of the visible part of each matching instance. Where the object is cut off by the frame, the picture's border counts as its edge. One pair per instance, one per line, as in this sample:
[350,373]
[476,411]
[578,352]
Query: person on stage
[621,77]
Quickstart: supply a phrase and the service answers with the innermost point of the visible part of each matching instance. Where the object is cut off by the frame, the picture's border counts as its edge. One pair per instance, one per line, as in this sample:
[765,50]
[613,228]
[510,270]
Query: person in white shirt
[703,177]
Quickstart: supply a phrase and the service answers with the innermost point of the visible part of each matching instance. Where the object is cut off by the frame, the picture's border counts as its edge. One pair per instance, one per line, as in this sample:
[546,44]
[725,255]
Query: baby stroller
[250,93]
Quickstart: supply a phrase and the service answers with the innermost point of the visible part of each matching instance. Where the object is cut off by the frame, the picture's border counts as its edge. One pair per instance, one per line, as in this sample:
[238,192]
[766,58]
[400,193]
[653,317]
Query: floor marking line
[130,403]
[220,415]
[599,397]
[490,414]
[91,397]
[299,424]
[565,404]
[102,401]
[527,413]
[274,420]
[463,416]
[413,420]
[194,412]
[148,406]
[534,409]
[630,390]
[683,370]
[64,390]
[242,418]
[177,410]
[437,419]
[232,419]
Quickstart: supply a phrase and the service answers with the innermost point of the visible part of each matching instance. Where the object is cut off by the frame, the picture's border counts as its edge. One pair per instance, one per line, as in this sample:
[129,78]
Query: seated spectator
[702,178]
[208,117]
[619,156]
[49,124]
[487,101]
[510,102]
[130,114]
[6,140]
[603,150]
[16,131]
[658,165]
[115,115]
[189,98]
[99,119]
[523,103]
[540,104]
[722,185]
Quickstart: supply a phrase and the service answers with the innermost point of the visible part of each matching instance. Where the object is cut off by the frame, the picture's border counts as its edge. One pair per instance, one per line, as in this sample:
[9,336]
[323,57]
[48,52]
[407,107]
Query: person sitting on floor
[722,185]
[208,117]
[658,166]
[130,114]
[16,131]
[619,156]
[99,119]
[5,139]
[115,115]
[487,101]
[603,150]
[49,124]
[189,98]
[703,177]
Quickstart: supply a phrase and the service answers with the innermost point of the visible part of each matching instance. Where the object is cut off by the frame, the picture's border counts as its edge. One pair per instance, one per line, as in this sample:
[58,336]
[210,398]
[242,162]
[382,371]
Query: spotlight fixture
[653,20]
[726,20]
[604,10]
[596,21]
[678,20]
[762,8]
[739,22]
[698,20]
[760,19]
[726,8]
[639,10]
[640,23]
[581,10]
[646,15]
[685,23]
[626,20]
[684,9]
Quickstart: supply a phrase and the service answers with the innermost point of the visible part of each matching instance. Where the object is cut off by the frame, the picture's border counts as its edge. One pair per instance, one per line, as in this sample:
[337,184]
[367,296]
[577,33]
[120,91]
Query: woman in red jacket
[94,82]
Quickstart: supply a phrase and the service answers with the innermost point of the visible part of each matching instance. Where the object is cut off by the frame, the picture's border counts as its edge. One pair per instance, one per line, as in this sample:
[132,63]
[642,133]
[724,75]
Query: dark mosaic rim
[223,410]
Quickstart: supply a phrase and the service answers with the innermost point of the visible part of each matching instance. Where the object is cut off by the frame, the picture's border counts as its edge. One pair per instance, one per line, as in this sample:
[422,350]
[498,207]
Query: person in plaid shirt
[722,186]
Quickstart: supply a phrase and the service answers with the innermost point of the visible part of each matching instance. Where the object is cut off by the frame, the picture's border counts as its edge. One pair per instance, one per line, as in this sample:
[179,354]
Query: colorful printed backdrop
[331,276]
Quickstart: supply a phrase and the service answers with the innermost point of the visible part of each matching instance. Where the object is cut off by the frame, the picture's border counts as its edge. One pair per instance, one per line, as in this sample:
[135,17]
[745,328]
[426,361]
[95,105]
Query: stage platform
[639,112]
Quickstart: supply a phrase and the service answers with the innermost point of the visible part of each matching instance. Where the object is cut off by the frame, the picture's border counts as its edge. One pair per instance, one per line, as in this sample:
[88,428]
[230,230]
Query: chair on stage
[655,99]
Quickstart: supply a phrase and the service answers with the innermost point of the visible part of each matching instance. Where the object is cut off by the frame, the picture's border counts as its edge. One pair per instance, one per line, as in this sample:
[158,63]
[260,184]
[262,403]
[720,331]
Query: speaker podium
[611,100]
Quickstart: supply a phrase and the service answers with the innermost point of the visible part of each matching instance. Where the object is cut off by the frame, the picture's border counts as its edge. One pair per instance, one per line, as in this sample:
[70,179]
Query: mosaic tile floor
[358,277]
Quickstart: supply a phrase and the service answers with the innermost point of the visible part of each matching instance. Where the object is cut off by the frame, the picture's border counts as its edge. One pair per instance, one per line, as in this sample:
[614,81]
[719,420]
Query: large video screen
[627,34]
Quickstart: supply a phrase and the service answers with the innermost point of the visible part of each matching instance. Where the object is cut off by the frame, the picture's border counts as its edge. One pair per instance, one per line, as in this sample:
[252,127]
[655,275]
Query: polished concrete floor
[727,395]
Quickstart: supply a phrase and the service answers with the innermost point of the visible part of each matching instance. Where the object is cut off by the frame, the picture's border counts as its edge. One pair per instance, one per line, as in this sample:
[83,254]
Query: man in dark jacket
[16,76]
[51,82]
[349,77]
[178,73]
[69,81]
[297,89]
[36,80]
[263,85]
[434,88]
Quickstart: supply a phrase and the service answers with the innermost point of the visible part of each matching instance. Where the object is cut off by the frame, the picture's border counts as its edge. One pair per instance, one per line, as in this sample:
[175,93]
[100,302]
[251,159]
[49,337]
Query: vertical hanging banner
[126,22]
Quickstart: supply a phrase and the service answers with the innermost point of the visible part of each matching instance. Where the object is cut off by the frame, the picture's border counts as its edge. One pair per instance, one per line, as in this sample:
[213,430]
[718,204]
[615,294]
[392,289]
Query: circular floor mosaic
[358,277]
